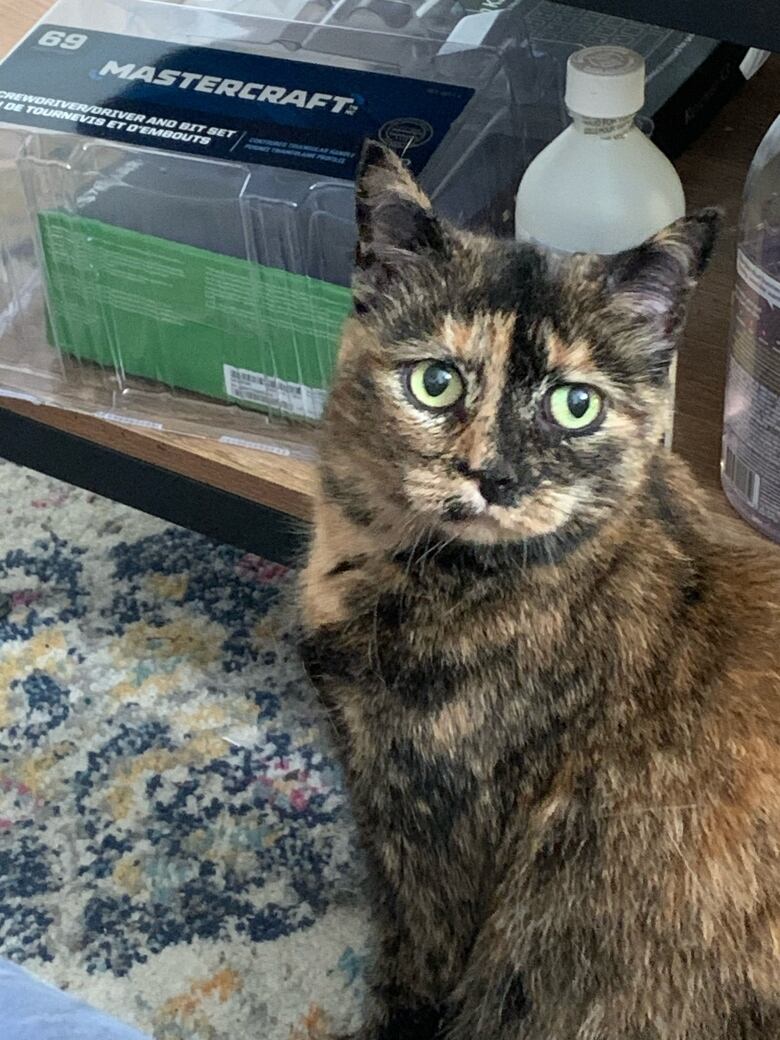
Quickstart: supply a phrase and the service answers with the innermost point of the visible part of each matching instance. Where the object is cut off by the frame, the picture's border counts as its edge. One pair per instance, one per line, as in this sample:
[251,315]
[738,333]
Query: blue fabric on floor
[33,1010]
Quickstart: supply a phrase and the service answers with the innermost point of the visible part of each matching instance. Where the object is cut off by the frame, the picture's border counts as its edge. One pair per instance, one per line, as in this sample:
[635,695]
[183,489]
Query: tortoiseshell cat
[556,700]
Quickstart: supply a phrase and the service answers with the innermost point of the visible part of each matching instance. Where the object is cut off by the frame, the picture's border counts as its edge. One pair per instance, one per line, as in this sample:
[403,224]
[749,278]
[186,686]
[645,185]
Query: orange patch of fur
[336,539]
[456,721]
[571,357]
[477,443]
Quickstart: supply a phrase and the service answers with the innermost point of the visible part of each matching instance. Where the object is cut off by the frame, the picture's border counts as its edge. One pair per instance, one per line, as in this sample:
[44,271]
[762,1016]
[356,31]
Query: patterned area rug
[174,842]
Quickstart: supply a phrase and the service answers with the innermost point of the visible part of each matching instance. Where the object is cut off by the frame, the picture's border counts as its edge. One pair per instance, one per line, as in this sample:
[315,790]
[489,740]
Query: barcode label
[745,480]
[244,385]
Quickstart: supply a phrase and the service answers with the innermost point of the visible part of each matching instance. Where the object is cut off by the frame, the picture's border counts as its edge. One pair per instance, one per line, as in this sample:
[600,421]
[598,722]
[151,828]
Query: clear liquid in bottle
[750,462]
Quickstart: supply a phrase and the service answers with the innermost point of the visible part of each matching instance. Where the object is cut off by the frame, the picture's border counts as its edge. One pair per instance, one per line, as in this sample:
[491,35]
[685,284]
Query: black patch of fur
[409,1022]
[692,591]
[666,509]
[345,493]
[515,1004]
[519,284]
[364,390]
[563,843]
[390,612]
[444,802]
[324,655]
[413,229]
[344,566]
[425,682]
[467,560]
[455,510]
[429,684]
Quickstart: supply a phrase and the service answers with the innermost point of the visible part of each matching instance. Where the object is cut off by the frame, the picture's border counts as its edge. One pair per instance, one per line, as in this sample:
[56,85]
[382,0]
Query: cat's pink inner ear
[647,304]
[654,279]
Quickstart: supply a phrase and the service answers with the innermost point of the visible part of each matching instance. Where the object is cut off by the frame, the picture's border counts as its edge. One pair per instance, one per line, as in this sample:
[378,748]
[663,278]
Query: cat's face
[488,394]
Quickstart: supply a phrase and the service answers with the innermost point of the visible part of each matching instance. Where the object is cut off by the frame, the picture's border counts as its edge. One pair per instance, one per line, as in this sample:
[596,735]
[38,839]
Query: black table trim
[163,493]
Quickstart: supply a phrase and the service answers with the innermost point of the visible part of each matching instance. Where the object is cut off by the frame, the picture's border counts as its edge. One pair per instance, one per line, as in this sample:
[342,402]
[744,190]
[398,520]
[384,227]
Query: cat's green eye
[435,384]
[575,407]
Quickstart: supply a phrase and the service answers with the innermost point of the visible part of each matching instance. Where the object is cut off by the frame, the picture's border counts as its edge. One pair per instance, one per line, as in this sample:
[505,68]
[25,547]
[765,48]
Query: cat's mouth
[468,504]
[458,512]
[477,529]
[468,515]
[472,519]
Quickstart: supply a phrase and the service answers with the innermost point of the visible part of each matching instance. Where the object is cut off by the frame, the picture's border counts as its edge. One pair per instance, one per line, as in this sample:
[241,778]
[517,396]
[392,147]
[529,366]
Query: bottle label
[609,129]
[751,441]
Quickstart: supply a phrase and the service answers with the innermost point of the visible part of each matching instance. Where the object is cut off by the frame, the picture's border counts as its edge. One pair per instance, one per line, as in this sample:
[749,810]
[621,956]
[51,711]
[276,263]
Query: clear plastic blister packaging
[176,186]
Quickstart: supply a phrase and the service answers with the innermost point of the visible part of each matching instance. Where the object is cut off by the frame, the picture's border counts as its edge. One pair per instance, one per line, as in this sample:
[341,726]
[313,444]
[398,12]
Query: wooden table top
[713,171]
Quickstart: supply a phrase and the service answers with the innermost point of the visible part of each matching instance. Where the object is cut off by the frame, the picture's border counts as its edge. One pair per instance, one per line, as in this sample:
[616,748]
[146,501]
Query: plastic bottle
[750,463]
[601,186]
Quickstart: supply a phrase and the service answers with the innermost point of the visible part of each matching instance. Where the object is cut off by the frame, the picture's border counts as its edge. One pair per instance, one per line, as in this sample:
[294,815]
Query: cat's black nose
[498,484]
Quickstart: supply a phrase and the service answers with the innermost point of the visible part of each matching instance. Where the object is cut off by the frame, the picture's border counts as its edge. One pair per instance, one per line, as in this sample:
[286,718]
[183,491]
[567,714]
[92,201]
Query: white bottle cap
[605,82]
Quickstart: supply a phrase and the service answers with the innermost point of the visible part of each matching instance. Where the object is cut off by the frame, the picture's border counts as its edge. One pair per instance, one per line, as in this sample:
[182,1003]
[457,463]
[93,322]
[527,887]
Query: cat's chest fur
[438,682]
[431,680]
[427,742]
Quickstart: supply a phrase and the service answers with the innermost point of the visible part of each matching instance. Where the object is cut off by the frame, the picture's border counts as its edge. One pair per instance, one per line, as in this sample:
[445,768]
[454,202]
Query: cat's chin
[481,530]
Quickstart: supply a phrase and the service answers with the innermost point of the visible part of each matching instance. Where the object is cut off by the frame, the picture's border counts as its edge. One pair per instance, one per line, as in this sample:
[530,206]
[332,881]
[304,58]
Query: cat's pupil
[578,401]
[436,379]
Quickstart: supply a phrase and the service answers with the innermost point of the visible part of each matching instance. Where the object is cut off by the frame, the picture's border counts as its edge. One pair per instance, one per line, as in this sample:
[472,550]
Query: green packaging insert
[190,318]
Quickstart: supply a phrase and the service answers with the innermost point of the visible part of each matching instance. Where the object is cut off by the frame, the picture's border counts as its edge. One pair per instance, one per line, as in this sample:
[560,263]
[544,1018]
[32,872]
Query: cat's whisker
[443,545]
[436,548]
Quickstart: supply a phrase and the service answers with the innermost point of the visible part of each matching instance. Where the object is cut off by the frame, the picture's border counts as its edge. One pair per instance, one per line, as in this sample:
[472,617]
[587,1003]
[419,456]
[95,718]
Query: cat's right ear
[396,223]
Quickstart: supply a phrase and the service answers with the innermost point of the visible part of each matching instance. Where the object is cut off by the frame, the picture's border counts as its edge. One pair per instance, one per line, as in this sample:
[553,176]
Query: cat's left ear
[396,222]
[654,280]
